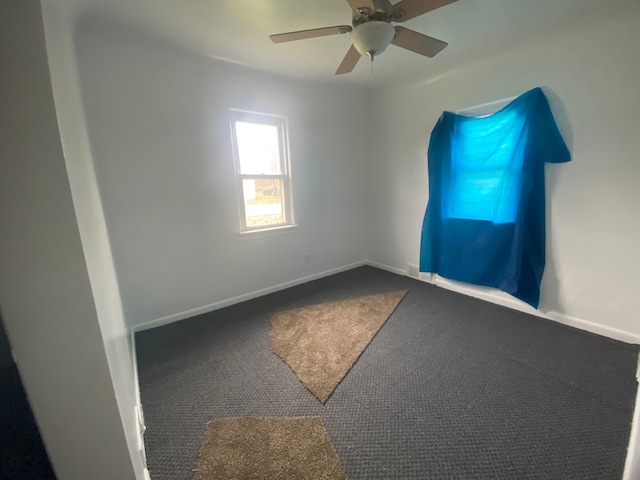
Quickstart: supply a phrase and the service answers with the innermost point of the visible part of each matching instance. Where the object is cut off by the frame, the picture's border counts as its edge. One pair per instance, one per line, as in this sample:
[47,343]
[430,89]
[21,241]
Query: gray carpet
[451,387]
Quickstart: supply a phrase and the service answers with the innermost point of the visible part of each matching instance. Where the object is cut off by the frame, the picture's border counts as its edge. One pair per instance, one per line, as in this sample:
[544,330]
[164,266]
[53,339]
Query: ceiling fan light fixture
[373,37]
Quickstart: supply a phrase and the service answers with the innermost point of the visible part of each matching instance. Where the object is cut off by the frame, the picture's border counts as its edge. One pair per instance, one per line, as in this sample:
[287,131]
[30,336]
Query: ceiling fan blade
[349,61]
[417,42]
[355,4]
[408,9]
[313,33]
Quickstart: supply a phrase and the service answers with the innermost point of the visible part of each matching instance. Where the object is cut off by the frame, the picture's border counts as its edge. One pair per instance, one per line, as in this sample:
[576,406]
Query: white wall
[58,25]
[159,129]
[45,288]
[160,137]
[591,75]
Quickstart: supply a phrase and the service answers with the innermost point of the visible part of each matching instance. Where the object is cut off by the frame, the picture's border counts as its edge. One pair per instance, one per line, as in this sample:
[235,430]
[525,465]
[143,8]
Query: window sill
[268,232]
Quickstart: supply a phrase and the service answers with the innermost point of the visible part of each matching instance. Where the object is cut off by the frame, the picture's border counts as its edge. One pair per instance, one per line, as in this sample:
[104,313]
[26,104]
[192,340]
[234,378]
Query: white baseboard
[241,298]
[593,327]
[495,296]
[382,266]
[483,293]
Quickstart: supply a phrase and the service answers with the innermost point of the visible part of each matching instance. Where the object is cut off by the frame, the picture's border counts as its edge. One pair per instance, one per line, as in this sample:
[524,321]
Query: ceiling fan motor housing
[373,37]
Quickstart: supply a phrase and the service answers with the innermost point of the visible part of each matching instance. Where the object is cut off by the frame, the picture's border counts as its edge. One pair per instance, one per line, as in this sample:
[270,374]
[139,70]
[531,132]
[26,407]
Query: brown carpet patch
[322,342]
[251,448]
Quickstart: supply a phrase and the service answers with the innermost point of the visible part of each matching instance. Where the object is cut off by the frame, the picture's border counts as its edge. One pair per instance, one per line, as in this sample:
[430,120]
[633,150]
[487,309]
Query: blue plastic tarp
[485,221]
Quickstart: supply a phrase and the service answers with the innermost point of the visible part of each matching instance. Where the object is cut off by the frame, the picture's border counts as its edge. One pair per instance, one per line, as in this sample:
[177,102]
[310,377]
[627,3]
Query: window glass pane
[263,202]
[492,195]
[485,179]
[258,148]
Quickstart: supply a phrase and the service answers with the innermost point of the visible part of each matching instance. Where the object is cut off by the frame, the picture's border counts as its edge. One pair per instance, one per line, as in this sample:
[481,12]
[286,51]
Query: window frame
[281,123]
[482,111]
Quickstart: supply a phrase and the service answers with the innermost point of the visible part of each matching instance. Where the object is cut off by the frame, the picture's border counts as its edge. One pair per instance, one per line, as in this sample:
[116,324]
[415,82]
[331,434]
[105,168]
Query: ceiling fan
[372,32]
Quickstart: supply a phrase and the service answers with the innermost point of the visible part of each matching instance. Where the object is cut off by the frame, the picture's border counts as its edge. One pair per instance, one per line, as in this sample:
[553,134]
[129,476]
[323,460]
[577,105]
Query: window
[485,221]
[486,184]
[263,177]
[485,172]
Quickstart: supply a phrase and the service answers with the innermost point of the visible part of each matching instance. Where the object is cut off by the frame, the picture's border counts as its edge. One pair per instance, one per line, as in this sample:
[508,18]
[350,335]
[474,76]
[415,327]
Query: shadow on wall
[6,358]
[562,117]
[22,453]
[550,297]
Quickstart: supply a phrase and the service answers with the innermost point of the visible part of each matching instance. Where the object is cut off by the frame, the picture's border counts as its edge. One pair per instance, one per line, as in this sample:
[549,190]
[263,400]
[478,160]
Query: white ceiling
[238,30]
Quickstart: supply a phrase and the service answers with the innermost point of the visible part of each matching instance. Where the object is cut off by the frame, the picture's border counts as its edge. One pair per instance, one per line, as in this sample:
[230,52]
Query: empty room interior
[179,192]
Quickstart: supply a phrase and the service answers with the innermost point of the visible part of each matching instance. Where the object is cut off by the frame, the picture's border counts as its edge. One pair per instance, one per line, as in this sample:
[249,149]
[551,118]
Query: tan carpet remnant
[253,448]
[322,342]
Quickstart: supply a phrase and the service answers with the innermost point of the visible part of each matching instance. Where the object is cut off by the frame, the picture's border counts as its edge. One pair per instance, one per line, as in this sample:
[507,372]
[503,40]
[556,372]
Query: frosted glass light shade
[372,38]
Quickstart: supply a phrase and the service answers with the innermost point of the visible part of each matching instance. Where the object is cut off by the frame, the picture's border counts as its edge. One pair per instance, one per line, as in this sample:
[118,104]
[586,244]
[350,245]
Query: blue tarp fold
[485,221]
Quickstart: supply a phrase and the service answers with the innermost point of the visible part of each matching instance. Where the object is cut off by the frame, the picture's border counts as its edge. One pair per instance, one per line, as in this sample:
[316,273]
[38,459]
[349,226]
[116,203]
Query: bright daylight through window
[260,150]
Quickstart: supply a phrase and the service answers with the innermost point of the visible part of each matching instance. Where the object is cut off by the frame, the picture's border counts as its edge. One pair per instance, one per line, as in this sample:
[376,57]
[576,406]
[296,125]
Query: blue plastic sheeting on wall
[485,222]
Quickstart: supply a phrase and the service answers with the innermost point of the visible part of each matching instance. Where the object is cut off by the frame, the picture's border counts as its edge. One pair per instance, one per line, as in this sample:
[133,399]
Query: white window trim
[287,197]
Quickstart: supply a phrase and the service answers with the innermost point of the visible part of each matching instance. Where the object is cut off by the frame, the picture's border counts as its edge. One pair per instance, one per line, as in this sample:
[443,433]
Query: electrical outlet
[307,258]
[413,270]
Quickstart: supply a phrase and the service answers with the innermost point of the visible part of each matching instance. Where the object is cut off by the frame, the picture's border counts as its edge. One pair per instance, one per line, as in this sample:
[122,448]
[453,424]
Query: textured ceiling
[238,31]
